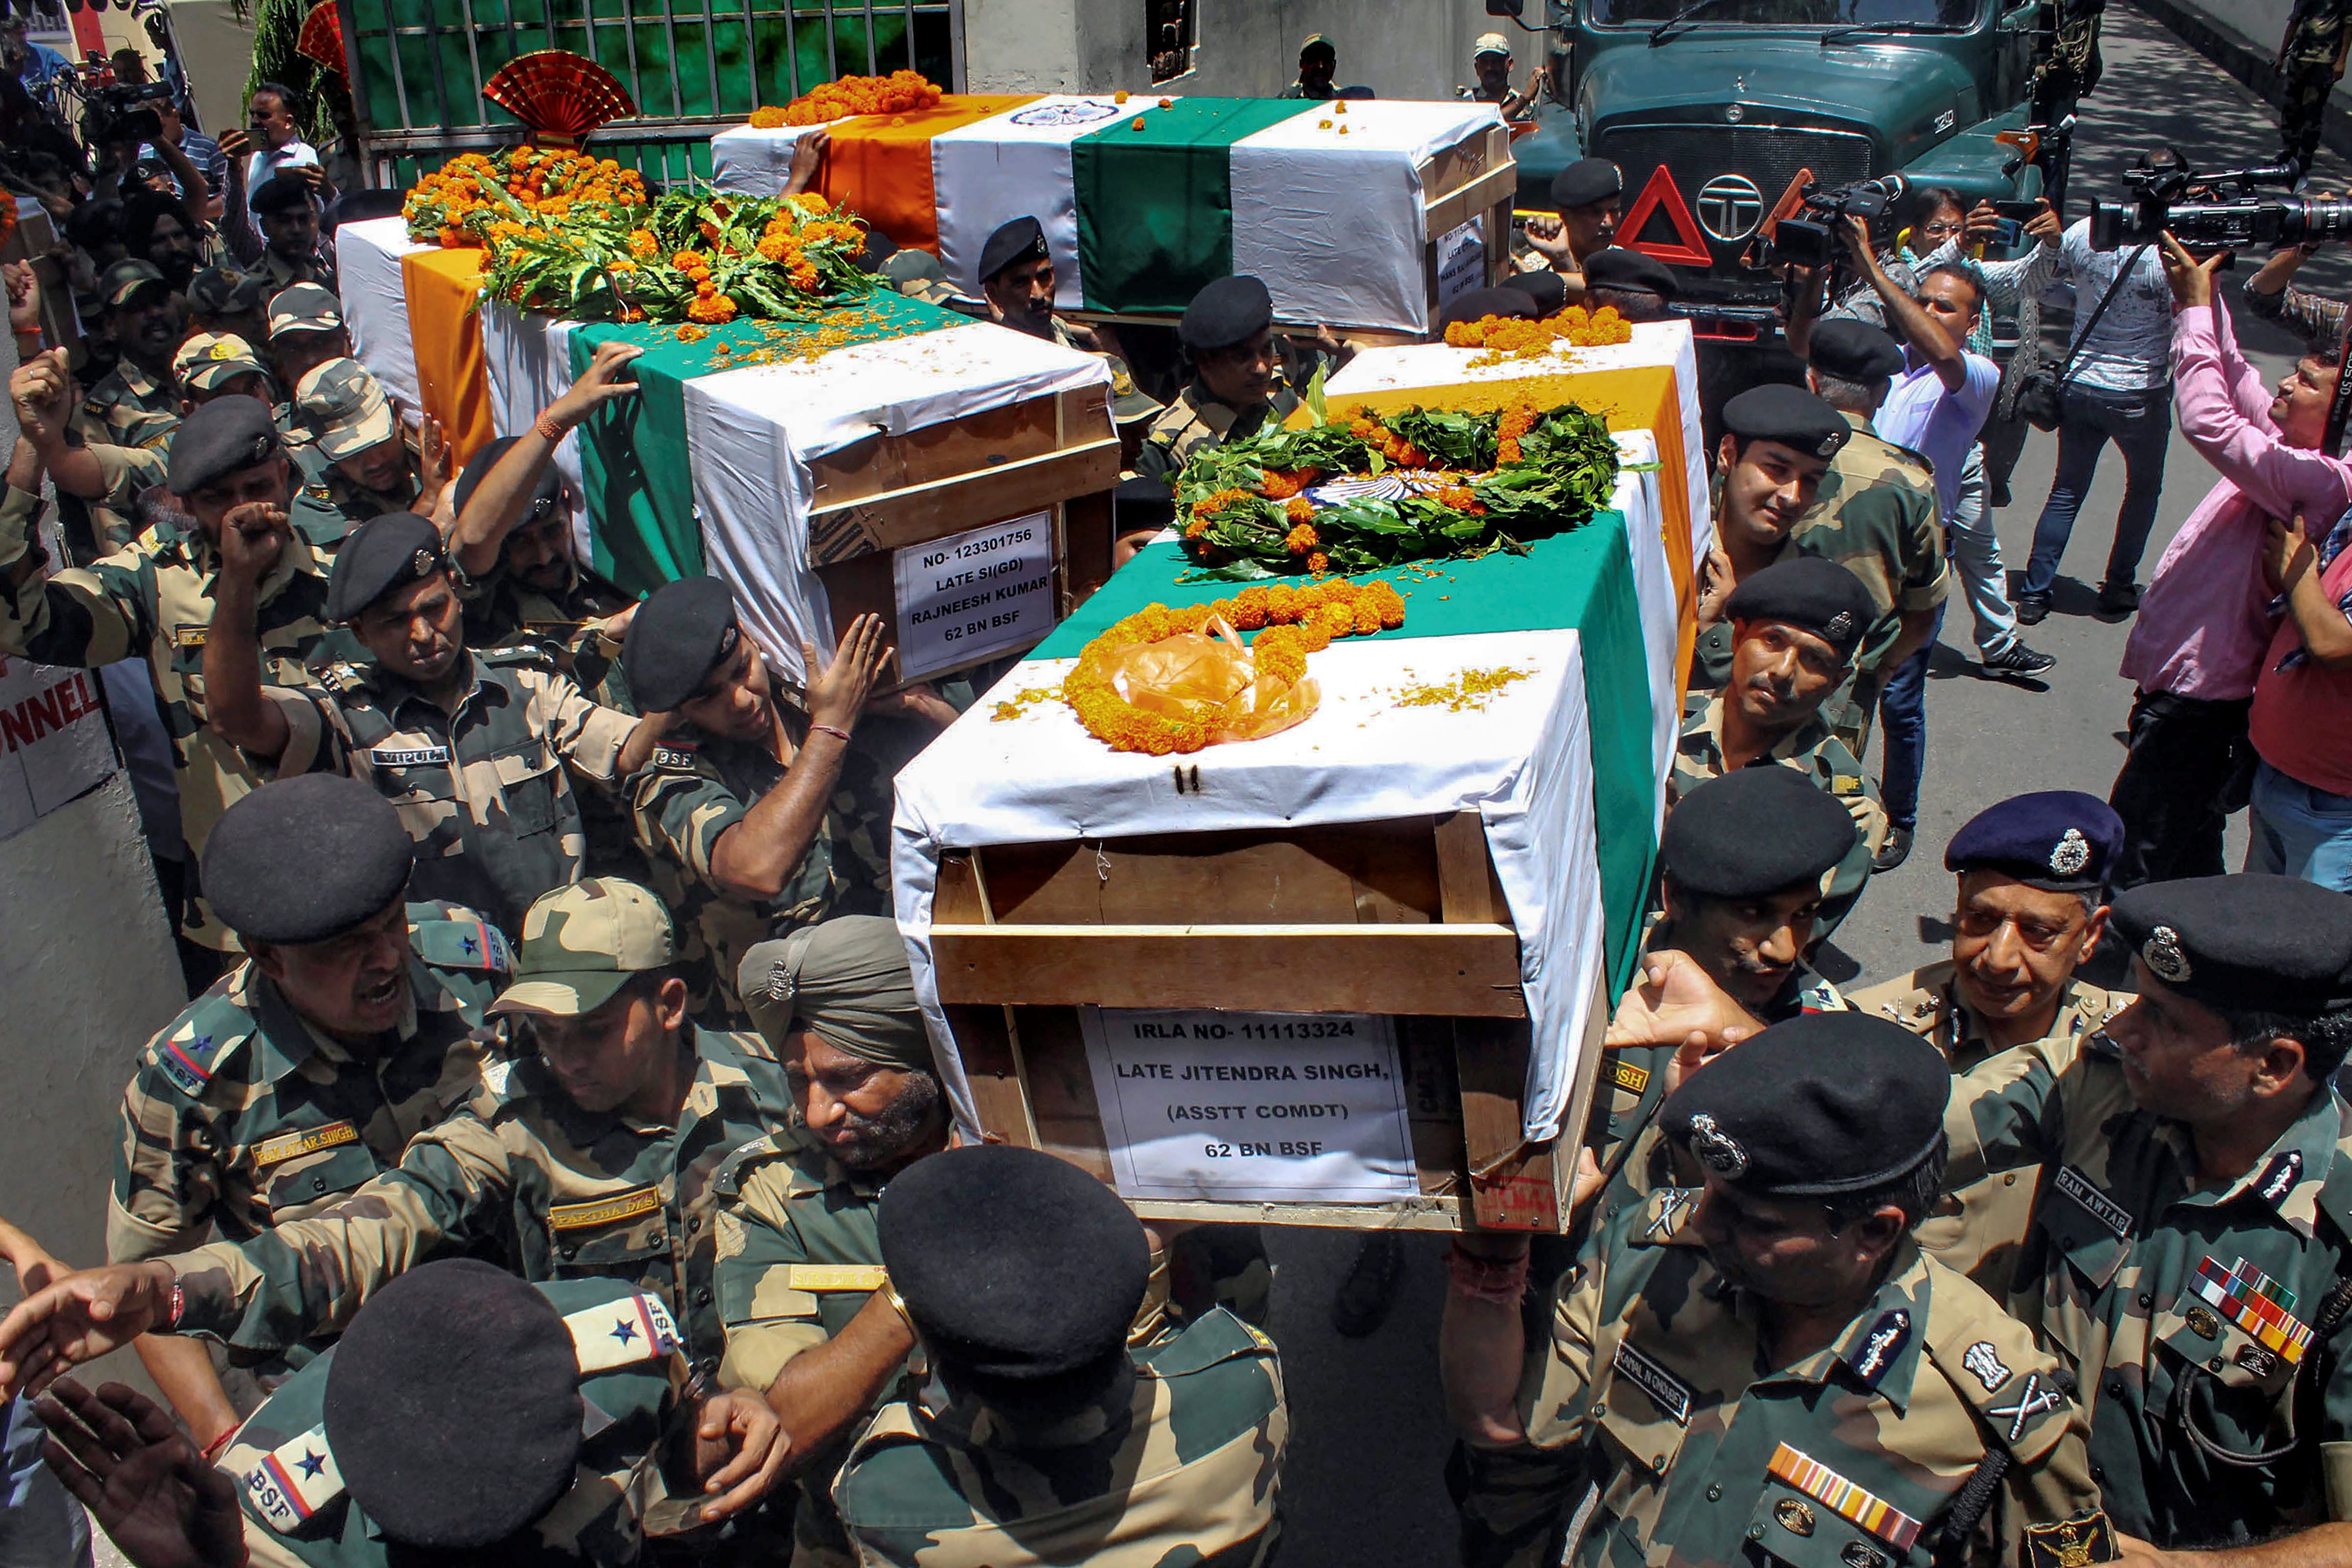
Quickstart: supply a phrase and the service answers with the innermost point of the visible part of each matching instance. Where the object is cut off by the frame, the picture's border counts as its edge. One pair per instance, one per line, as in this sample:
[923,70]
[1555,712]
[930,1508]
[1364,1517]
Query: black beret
[1790,415]
[2060,840]
[1585,182]
[306,858]
[452,1406]
[676,639]
[1016,1266]
[879,248]
[477,468]
[1547,289]
[1023,239]
[2246,943]
[1620,268]
[1822,1104]
[1229,311]
[1139,503]
[384,553]
[1478,304]
[1853,351]
[1807,591]
[220,437]
[1754,831]
[280,192]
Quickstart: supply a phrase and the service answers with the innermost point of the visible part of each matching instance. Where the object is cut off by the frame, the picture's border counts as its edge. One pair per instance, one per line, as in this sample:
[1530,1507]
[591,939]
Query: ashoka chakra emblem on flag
[1079,111]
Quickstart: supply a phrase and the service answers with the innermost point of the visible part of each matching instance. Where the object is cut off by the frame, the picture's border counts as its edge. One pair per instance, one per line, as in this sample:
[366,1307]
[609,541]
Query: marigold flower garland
[1291,623]
[1478,482]
[461,203]
[898,94]
[1509,338]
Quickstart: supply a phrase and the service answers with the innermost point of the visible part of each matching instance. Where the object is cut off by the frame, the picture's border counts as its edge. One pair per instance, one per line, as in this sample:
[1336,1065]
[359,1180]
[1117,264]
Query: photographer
[200,149]
[2269,292]
[2206,619]
[2119,389]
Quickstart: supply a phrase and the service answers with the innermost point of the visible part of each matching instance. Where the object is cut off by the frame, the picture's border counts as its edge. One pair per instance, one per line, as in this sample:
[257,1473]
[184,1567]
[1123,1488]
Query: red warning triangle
[1661,191]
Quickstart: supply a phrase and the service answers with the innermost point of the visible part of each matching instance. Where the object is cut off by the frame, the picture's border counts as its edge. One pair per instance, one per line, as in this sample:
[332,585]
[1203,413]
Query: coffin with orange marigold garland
[1355,973]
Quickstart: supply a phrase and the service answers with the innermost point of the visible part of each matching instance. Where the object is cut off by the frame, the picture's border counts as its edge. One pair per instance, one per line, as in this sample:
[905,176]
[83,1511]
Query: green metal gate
[693,66]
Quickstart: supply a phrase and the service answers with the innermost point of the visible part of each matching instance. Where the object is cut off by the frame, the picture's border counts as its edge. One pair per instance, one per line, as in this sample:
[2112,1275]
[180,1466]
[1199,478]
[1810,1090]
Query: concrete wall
[1247,48]
[90,973]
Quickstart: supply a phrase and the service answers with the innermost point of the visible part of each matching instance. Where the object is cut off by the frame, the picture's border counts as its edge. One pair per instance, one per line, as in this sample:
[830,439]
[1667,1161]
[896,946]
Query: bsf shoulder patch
[1825,1485]
[2071,1543]
[1667,1392]
[675,759]
[636,1328]
[190,1056]
[294,1482]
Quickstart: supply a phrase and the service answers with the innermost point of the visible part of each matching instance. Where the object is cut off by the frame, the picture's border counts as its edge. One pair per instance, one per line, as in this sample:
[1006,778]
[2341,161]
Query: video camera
[1811,239]
[2227,211]
[125,112]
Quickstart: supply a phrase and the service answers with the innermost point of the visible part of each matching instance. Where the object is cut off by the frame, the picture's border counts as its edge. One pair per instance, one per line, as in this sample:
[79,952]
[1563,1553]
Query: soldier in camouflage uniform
[476,750]
[1039,1437]
[555,1423]
[592,1155]
[1016,280]
[1872,512]
[2030,913]
[759,815]
[1767,1368]
[1741,865]
[370,471]
[306,331]
[305,1072]
[2193,1233]
[98,485]
[219,364]
[136,403]
[230,468]
[225,301]
[288,217]
[1796,627]
[1239,385]
[2311,58]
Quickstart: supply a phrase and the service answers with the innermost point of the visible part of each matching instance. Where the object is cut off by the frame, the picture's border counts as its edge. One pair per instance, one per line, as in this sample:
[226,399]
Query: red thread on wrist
[213,1449]
[842,735]
[179,1305]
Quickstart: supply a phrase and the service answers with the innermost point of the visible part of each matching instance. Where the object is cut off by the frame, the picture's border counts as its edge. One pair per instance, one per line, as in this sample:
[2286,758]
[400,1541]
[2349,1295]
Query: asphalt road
[1364,1483]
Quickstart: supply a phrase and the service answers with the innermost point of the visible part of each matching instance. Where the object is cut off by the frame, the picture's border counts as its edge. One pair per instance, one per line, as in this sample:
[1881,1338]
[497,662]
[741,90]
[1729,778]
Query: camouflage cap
[1129,404]
[304,307]
[121,282]
[347,407]
[1489,44]
[226,292]
[207,360]
[581,944]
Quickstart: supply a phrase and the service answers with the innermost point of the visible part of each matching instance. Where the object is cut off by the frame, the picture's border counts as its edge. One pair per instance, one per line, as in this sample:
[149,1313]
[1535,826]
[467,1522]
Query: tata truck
[1721,112]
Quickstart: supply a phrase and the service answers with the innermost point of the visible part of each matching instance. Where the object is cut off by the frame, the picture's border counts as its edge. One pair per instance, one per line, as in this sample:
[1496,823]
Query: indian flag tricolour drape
[1145,201]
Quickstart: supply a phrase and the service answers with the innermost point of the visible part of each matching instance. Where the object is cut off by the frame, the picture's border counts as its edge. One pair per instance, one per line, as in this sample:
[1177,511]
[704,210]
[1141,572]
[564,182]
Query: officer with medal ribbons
[346,1031]
[1765,1366]
[466,1418]
[2188,1258]
[477,751]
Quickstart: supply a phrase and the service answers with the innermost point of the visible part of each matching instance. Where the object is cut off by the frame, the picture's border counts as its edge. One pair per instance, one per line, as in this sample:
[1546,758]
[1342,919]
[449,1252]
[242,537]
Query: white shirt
[1938,425]
[263,166]
[2132,349]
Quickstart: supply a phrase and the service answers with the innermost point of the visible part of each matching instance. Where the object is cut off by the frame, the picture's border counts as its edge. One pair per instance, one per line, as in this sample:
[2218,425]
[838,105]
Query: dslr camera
[1810,238]
[2219,211]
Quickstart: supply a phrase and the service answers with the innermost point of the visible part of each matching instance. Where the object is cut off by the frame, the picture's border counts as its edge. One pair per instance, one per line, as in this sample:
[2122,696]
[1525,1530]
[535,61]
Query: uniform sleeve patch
[636,1328]
[2035,1398]
[1633,1079]
[294,1482]
[2071,1543]
[675,759]
[1984,1363]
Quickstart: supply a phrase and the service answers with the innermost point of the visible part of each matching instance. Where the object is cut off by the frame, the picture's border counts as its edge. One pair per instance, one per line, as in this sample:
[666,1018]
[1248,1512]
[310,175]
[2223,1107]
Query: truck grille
[1770,155]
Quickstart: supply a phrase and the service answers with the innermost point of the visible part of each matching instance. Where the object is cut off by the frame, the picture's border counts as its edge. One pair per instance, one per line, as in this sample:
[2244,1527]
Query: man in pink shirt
[2205,620]
[2302,722]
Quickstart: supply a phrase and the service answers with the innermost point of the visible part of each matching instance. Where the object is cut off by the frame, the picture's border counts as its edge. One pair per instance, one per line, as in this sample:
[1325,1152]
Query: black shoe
[1894,852]
[1365,1296]
[2117,600]
[2018,662]
[2032,609]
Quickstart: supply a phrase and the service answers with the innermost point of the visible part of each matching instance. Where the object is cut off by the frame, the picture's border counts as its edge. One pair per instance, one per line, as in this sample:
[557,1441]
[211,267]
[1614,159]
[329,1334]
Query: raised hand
[252,537]
[140,1477]
[79,1319]
[838,693]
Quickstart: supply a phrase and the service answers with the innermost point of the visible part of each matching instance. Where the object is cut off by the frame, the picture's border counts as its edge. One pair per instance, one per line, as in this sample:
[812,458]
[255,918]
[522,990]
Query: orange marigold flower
[1137,124]
[1278,486]
[1300,540]
[690,334]
[1318,561]
[1299,510]
[687,261]
[1119,97]
[767,119]
[1367,619]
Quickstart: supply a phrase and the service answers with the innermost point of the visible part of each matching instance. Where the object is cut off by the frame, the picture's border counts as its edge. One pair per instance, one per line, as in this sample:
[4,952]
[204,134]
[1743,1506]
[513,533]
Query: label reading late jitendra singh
[1252,1107]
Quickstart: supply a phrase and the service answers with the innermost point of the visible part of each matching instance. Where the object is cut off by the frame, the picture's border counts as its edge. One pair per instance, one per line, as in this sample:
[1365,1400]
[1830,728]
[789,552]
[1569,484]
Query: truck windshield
[1787,13]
